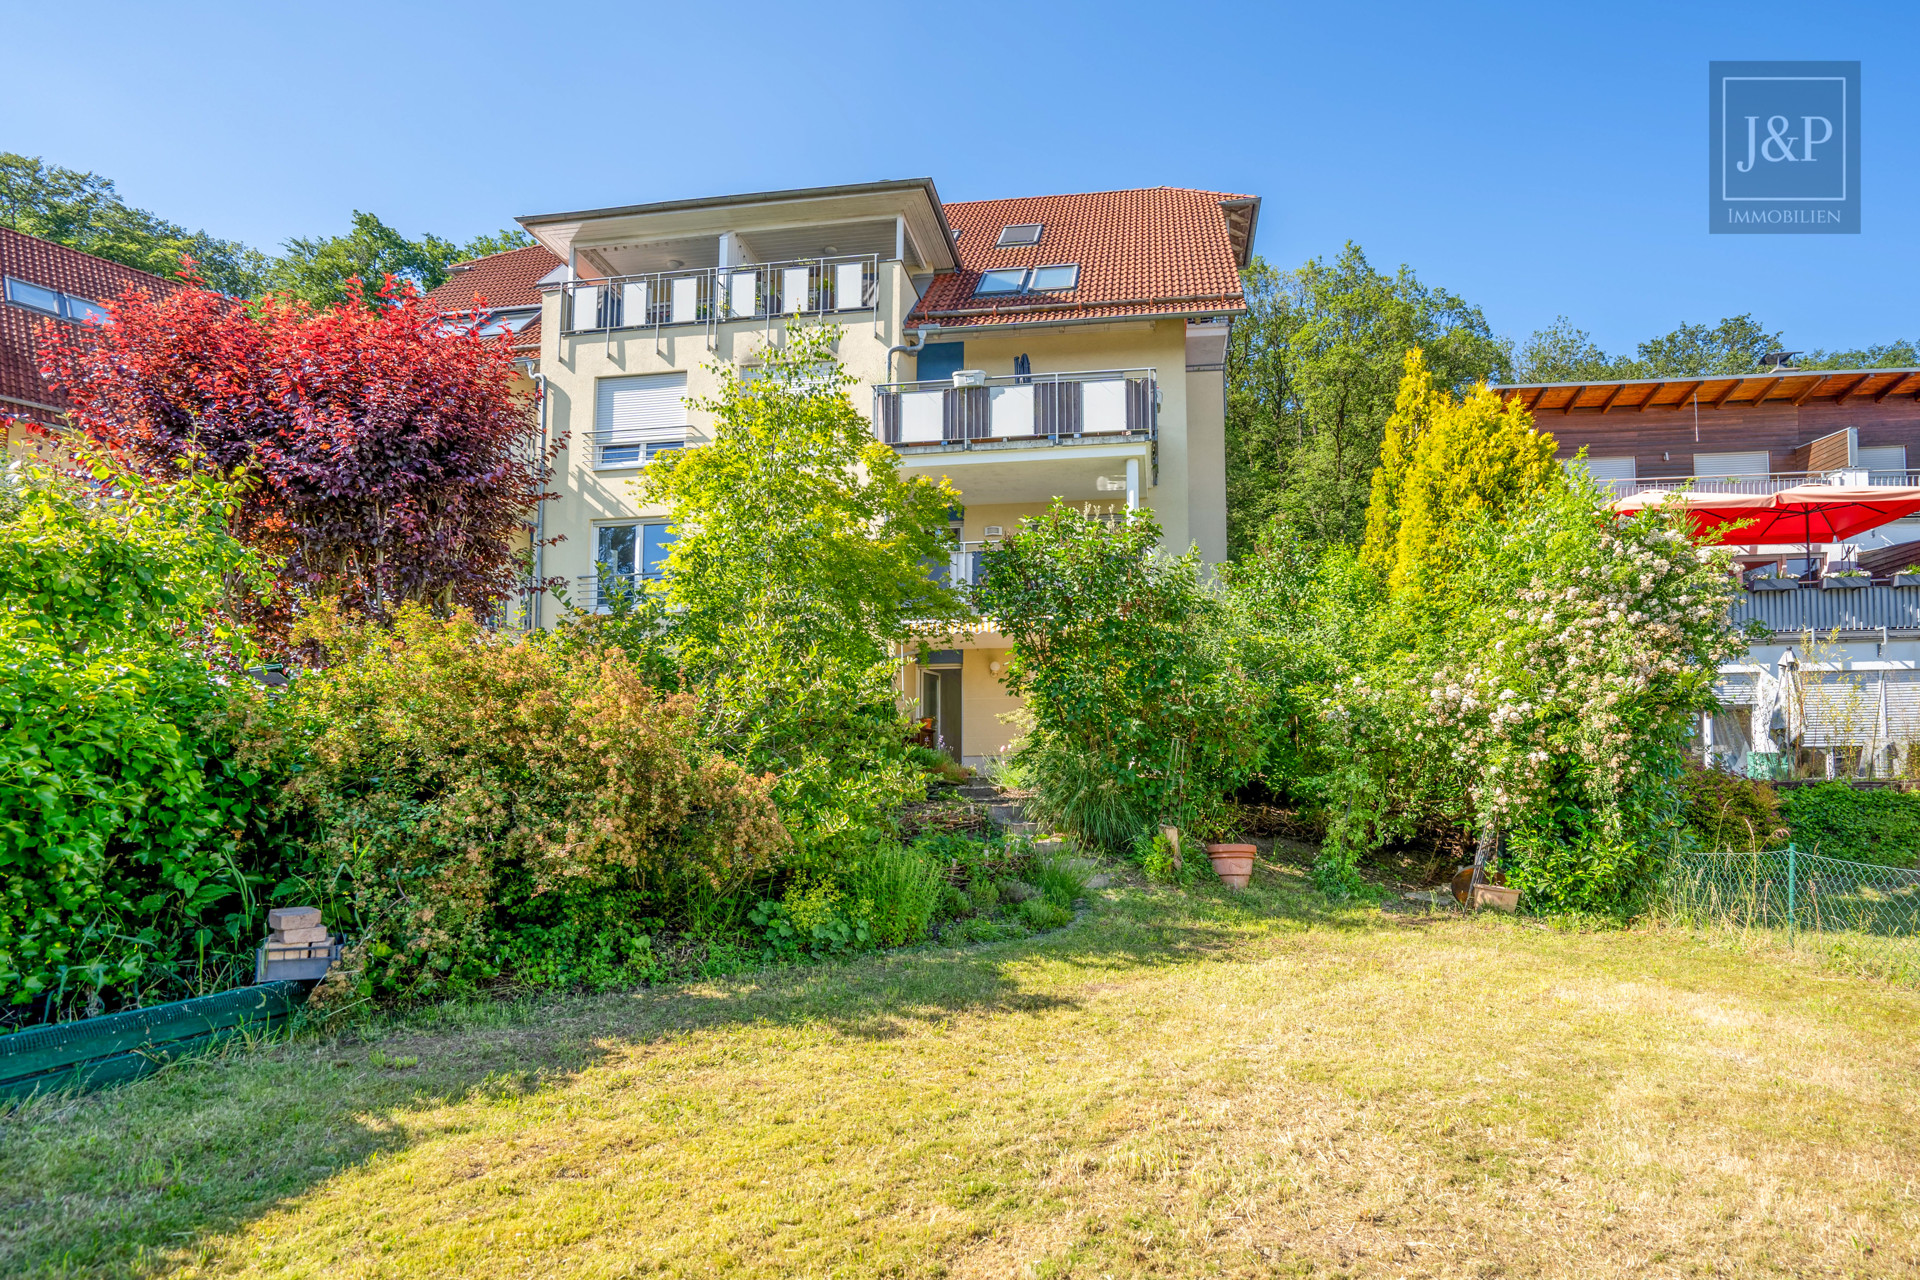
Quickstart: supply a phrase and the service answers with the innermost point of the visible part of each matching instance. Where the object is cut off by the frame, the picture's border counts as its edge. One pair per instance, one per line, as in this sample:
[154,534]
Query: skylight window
[81,311]
[23,294]
[1054,279]
[1049,279]
[1019,234]
[1001,282]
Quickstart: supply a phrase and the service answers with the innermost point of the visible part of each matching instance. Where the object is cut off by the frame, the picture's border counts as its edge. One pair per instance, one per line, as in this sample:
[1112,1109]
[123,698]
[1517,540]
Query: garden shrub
[130,837]
[1876,824]
[1571,863]
[1140,710]
[1542,683]
[1727,811]
[463,786]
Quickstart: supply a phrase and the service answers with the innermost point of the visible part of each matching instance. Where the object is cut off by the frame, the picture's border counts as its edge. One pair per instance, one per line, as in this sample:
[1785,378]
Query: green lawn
[1176,1084]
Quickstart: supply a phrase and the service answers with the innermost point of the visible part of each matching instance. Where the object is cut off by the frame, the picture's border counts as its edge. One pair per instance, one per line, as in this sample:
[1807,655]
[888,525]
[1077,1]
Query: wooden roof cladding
[1790,386]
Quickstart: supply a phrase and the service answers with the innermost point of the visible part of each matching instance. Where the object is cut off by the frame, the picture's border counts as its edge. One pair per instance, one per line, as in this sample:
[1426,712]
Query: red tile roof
[1158,251]
[52,266]
[510,279]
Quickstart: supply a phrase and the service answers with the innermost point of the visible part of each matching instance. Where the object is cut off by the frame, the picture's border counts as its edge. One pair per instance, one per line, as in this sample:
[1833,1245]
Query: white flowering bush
[1545,693]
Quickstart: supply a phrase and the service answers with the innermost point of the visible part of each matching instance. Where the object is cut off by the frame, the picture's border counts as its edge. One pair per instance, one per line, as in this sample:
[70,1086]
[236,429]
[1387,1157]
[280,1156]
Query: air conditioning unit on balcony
[994,531]
[1110,484]
[969,377]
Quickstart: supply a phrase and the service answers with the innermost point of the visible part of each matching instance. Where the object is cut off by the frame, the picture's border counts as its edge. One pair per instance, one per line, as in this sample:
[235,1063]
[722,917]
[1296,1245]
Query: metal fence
[1864,916]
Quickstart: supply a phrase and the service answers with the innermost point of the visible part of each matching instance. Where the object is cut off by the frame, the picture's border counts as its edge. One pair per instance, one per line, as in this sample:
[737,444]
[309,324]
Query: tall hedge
[1879,825]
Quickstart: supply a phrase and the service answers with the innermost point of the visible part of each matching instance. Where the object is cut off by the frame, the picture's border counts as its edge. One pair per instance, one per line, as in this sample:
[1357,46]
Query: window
[627,555]
[1048,279]
[507,324]
[1052,279]
[635,418]
[1617,474]
[1020,233]
[1730,466]
[23,294]
[1883,460]
[82,311]
[1000,282]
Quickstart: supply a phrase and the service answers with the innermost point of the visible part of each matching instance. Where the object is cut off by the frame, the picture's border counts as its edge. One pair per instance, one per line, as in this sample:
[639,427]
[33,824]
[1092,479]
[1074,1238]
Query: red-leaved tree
[393,461]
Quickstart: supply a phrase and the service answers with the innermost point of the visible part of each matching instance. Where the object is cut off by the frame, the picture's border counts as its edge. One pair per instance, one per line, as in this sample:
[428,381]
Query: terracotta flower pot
[1233,863]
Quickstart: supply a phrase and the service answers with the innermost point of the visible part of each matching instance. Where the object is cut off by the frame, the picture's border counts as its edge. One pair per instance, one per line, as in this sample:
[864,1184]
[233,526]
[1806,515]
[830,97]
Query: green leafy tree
[1886,355]
[320,270]
[1735,345]
[83,211]
[799,568]
[1311,377]
[1562,352]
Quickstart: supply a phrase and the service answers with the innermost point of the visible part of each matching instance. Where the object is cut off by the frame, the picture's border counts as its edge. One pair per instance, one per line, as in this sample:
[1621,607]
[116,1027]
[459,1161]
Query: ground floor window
[626,556]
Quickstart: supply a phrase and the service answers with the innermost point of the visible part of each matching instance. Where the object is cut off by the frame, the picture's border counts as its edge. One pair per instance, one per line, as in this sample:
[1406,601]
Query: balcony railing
[1038,406]
[1773,482]
[709,295]
[602,592]
[635,447]
[1812,608]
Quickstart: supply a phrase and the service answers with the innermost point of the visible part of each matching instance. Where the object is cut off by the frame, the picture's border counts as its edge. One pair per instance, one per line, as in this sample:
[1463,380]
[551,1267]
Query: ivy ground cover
[1179,1083]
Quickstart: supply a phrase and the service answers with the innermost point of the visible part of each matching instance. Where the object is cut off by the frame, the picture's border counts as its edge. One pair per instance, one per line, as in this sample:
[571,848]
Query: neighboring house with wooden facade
[1068,346]
[42,282]
[1836,687]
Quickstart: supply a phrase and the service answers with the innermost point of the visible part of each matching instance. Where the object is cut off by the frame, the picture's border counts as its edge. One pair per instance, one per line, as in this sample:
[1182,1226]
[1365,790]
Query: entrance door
[940,703]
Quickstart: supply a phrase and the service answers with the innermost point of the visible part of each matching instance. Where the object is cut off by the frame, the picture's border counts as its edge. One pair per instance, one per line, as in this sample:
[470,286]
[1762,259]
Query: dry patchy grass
[1177,1084]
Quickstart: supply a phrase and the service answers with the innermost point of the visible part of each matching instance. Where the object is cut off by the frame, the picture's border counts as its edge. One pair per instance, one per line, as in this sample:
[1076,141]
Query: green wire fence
[1863,916]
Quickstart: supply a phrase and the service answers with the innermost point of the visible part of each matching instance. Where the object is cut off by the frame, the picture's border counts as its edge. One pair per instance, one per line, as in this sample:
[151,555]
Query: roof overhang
[913,199]
[1793,387]
[1243,220]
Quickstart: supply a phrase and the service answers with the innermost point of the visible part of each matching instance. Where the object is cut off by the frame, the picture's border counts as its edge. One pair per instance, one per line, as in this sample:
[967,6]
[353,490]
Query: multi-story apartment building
[1027,349]
[1834,687]
[41,281]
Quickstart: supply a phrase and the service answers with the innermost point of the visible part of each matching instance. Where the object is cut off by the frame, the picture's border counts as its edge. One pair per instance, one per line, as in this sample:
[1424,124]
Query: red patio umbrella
[1805,514]
[1705,511]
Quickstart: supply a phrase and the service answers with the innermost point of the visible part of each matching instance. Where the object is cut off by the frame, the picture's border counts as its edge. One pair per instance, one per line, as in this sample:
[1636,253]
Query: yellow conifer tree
[1442,461]
[1413,409]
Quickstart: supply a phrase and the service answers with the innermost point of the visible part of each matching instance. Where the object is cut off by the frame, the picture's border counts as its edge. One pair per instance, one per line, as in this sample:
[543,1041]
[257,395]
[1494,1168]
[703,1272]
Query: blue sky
[1536,159]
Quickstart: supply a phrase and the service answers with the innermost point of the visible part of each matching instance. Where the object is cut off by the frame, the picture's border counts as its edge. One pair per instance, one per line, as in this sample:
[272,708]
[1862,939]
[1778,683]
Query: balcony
[1019,410]
[1771,483]
[715,295]
[1811,608]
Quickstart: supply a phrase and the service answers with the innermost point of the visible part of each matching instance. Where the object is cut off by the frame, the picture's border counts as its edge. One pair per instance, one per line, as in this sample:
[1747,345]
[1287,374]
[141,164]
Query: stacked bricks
[294,931]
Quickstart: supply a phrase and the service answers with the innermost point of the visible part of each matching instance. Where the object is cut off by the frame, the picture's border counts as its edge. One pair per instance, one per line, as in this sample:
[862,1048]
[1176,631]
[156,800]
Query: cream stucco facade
[1168,458]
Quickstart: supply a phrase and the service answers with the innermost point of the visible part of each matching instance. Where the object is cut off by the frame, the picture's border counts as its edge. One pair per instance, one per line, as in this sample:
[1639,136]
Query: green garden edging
[124,1046]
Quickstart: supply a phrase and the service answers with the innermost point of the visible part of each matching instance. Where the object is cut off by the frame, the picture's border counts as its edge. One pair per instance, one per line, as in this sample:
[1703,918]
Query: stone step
[979,791]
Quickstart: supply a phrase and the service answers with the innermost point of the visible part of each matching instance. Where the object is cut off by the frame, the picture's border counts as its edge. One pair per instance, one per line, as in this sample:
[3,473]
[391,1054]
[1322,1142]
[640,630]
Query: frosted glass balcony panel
[793,290]
[1012,411]
[849,286]
[920,417]
[686,299]
[1104,406]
